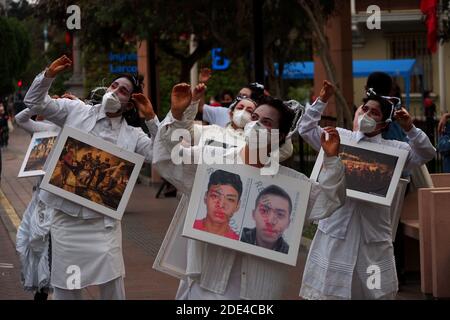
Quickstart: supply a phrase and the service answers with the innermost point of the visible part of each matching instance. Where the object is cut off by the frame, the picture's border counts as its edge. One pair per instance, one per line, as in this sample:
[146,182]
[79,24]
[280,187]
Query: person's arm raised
[38,100]
[309,128]
[329,194]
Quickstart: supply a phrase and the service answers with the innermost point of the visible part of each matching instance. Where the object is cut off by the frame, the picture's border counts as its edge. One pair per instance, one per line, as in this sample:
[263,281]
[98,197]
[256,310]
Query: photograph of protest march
[86,169]
[92,173]
[243,210]
[372,172]
[367,171]
[39,149]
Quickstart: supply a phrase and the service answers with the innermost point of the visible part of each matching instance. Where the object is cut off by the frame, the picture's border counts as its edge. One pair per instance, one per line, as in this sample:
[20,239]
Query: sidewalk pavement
[144,225]
[143,228]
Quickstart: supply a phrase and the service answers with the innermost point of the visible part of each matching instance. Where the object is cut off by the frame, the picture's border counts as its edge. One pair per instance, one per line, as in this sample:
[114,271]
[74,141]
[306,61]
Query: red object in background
[19,83]
[68,39]
[428,102]
[428,8]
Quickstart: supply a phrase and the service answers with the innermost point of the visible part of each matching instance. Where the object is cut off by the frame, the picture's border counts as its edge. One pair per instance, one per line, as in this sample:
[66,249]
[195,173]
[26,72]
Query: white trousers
[112,290]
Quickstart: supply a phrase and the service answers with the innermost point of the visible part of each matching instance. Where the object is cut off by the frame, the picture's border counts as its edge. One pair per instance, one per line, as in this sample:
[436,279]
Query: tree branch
[325,57]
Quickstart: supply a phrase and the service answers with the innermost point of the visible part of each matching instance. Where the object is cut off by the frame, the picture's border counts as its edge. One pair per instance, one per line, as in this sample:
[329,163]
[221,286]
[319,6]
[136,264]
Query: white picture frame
[243,222]
[38,150]
[384,172]
[105,189]
[172,255]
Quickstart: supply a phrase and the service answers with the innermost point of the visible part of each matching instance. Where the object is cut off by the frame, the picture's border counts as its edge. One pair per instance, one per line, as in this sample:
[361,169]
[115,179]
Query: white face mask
[286,150]
[252,131]
[366,124]
[111,103]
[241,118]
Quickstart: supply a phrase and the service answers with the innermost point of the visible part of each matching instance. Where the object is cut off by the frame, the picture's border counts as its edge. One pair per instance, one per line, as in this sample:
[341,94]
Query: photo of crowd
[367,171]
[39,153]
[92,173]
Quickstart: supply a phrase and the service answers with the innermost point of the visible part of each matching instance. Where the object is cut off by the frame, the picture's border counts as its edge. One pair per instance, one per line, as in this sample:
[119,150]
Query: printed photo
[90,170]
[38,151]
[238,208]
[372,172]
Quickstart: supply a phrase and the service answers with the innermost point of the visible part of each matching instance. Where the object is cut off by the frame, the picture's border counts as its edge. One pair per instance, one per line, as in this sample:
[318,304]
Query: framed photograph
[372,171]
[39,149]
[172,255]
[238,208]
[92,172]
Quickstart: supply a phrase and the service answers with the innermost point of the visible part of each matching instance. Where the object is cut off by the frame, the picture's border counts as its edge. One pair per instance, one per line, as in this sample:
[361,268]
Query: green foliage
[309,231]
[14,53]
[300,93]
[232,79]
[117,24]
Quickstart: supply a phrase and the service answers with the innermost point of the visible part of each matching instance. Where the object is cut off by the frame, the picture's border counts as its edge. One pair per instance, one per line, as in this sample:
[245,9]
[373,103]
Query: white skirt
[32,245]
[88,246]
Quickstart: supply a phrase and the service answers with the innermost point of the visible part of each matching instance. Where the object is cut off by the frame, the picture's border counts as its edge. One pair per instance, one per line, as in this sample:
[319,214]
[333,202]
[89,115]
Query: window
[412,46]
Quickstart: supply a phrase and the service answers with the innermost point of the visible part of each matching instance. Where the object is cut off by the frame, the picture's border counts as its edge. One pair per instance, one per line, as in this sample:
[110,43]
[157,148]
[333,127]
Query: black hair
[427,94]
[220,177]
[381,83]
[257,91]
[136,81]
[385,105]
[276,191]
[238,99]
[132,116]
[286,114]
[226,92]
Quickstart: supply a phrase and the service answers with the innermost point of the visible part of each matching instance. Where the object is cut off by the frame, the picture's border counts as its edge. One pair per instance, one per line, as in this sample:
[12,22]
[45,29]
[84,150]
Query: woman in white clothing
[32,239]
[87,246]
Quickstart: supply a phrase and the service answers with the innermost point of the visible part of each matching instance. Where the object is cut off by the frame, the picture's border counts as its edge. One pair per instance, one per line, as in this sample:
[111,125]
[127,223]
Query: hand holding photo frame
[92,172]
[372,171]
[238,208]
[39,149]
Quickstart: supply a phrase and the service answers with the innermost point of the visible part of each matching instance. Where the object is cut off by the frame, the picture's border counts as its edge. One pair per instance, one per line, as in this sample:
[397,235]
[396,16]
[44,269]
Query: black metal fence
[304,156]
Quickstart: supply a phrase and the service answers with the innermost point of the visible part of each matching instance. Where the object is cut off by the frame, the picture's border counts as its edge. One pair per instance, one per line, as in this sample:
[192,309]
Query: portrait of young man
[222,200]
[272,215]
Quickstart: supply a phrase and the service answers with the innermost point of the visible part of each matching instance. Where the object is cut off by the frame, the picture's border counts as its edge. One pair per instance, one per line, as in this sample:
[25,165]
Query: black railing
[305,157]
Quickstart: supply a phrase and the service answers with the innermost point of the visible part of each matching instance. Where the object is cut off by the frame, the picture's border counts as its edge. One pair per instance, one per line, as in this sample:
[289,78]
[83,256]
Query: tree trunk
[185,72]
[272,79]
[343,114]
[187,61]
